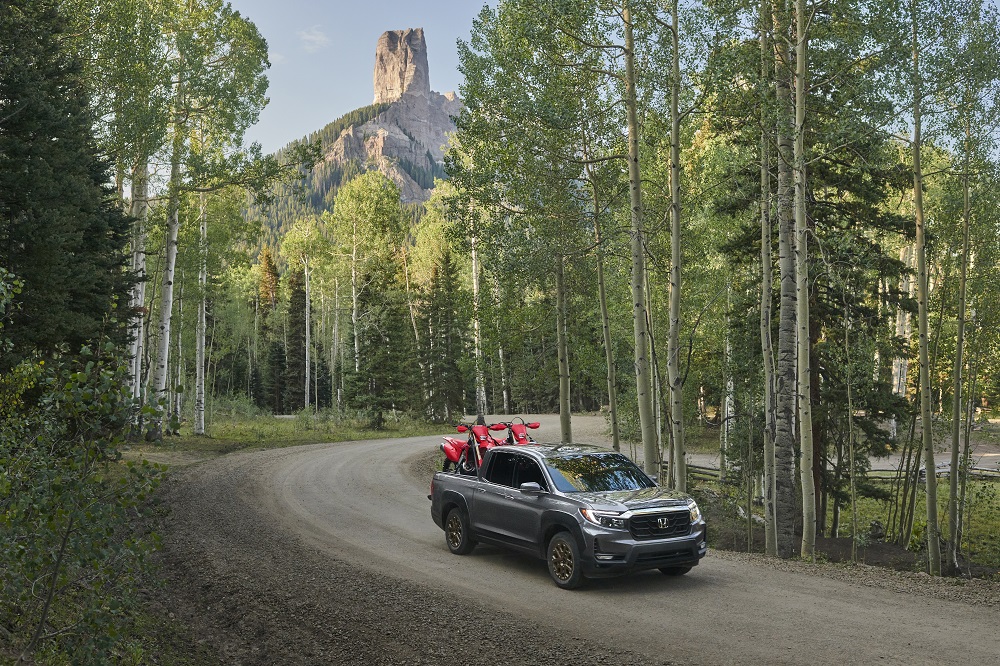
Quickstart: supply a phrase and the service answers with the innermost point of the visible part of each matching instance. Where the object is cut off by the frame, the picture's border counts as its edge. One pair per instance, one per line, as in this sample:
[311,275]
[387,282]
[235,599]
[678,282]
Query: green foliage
[69,555]
[387,379]
[445,332]
[61,229]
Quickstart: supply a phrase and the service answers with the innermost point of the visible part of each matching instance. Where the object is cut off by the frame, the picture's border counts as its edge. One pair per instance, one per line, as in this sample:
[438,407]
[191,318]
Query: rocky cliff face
[405,141]
[401,65]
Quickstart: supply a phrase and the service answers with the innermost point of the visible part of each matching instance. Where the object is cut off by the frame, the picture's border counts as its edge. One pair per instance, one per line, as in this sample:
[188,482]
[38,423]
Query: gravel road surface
[327,554]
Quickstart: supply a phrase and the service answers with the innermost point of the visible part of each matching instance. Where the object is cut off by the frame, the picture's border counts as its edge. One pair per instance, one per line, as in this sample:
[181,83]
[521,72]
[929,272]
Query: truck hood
[631,500]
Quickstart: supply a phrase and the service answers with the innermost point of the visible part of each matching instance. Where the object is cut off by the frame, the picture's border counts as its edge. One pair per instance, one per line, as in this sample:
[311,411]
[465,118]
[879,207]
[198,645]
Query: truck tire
[563,558]
[457,534]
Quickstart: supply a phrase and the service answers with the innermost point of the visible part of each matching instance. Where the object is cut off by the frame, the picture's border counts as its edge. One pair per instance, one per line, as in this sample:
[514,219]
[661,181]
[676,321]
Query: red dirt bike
[517,431]
[466,454]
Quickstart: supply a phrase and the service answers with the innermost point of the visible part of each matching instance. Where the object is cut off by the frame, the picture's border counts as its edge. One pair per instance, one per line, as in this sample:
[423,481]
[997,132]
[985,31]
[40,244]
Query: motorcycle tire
[466,467]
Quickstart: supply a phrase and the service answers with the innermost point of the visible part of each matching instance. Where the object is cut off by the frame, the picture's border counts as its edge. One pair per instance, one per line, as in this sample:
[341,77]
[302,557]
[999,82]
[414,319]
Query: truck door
[502,510]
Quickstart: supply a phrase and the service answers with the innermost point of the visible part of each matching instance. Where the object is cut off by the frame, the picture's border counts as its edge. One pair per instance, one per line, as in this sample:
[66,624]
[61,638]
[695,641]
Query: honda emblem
[663,522]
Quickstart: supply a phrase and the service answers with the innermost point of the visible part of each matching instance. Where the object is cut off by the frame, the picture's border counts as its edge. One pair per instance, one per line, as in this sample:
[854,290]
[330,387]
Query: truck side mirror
[530,488]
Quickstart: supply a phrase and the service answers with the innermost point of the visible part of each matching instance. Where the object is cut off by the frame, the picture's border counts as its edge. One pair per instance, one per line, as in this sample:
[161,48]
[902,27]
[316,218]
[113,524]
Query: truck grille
[660,525]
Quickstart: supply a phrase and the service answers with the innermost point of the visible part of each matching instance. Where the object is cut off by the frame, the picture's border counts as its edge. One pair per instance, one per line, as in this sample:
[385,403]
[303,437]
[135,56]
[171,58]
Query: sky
[322,55]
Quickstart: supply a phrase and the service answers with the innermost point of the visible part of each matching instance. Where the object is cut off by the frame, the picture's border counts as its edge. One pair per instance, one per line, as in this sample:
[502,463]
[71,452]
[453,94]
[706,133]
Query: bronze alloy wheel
[455,530]
[562,561]
[457,534]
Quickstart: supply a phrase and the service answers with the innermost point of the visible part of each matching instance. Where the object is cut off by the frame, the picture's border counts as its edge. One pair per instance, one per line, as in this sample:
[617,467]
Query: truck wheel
[563,557]
[674,571]
[456,533]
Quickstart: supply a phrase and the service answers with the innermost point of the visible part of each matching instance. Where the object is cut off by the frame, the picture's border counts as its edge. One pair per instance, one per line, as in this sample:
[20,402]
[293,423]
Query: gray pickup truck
[588,512]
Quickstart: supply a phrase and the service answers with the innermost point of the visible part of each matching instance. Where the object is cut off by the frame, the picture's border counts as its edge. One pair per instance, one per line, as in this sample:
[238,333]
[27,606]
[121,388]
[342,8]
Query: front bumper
[611,552]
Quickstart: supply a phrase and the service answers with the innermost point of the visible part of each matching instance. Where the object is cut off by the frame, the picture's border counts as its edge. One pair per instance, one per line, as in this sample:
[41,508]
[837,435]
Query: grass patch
[725,508]
[229,433]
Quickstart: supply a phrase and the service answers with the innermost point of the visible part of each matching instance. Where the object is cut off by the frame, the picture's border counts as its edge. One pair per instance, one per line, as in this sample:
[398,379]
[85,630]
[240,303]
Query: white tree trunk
[199,371]
[933,531]
[139,210]
[477,334]
[305,269]
[562,342]
[674,377]
[767,348]
[354,301]
[167,283]
[802,293]
[643,383]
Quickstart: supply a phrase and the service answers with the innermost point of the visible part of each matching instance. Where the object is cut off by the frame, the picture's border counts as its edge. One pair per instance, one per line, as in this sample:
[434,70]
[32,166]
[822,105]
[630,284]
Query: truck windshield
[596,473]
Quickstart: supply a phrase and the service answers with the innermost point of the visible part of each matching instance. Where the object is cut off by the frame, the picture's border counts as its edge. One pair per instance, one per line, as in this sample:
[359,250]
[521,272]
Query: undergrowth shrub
[69,550]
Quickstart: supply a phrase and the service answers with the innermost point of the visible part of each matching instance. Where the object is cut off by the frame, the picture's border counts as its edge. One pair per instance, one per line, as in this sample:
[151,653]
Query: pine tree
[444,334]
[295,350]
[387,379]
[61,233]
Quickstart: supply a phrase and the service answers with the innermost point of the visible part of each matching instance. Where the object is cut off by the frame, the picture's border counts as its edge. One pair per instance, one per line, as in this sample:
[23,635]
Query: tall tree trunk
[806,461]
[305,271]
[643,385]
[609,354]
[562,341]
[335,346]
[933,530]
[767,348]
[478,335]
[426,383]
[602,299]
[786,365]
[199,341]
[956,414]
[674,377]
[169,263]
[354,300]
[139,210]
[900,366]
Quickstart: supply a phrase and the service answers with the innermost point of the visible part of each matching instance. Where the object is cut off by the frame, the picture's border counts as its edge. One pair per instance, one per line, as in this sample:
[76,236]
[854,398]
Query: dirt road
[327,554]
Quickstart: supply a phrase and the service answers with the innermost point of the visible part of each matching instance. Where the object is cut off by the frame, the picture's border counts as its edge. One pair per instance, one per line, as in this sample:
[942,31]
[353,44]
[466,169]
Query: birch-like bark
[933,530]
[643,384]
[139,210]
[477,335]
[785,366]
[425,384]
[602,298]
[956,414]
[900,366]
[335,346]
[562,342]
[674,377]
[354,296]
[806,460]
[199,371]
[305,270]
[169,263]
[767,349]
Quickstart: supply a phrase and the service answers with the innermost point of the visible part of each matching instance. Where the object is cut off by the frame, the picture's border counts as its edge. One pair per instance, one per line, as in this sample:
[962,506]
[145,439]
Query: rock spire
[401,65]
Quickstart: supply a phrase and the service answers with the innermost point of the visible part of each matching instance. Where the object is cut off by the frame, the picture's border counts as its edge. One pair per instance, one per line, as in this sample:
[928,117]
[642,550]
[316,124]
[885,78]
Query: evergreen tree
[387,379]
[295,350]
[61,233]
[444,337]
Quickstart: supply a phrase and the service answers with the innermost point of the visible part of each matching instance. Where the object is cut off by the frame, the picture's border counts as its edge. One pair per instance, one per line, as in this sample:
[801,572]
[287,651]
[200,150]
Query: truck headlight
[605,518]
[695,512]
